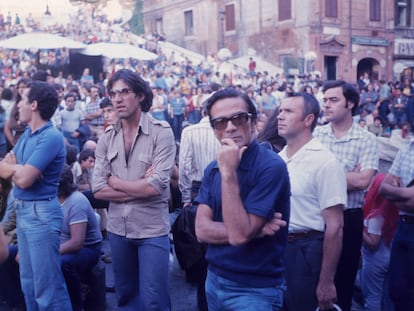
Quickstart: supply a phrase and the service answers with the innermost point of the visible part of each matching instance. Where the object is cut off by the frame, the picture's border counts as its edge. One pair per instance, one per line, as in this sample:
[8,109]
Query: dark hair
[105,102]
[71,154]
[310,106]
[66,183]
[58,87]
[231,93]
[46,97]
[70,94]
[24,81]
[349,91]
[7,94]
[85,154]
[40,75]
[270,132]
[136,83]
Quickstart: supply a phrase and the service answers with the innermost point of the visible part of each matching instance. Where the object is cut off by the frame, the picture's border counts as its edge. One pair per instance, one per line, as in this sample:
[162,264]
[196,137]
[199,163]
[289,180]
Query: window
[402,13]
[331,8]
[158,25]
[375,10]
[230,17]
[189,26]
[285,10]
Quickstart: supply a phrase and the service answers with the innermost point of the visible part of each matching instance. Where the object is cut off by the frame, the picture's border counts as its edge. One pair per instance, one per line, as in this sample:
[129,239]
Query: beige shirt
[153,146]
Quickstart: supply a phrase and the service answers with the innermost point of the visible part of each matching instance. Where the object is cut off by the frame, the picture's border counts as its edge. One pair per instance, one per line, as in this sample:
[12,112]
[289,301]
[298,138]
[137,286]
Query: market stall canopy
[180,53]
[38,40]
[118,50]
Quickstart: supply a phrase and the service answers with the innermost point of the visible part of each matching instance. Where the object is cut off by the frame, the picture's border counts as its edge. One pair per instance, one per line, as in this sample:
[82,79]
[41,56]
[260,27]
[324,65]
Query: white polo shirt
[317,182]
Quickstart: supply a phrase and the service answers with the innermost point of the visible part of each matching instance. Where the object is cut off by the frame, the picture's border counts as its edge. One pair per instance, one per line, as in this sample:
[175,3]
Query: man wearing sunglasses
[243,211]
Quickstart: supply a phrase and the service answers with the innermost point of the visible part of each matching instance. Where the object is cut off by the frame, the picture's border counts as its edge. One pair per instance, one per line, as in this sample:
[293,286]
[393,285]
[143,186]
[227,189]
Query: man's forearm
[140,188]
[239,227]
[332,247]
[110,194]
[7,170]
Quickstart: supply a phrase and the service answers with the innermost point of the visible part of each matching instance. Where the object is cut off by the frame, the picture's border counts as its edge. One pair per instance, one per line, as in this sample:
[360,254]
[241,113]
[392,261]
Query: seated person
[4,250]
[10,287]
[80,239]
[83,169]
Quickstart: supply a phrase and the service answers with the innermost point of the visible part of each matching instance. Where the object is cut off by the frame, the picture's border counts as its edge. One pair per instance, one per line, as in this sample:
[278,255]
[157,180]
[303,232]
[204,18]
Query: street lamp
[222,15]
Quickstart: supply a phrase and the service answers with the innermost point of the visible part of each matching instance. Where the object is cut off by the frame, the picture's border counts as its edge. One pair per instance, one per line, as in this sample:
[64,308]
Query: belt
[407,219]
[300,235]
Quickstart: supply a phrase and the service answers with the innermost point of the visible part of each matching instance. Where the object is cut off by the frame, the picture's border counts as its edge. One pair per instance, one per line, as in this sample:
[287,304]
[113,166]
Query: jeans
[10,280]
[374,278]
[177,126]
[75,267]
[141,272]
[303,260]
[225,295]
[347,267]
[38,232]
[402,268]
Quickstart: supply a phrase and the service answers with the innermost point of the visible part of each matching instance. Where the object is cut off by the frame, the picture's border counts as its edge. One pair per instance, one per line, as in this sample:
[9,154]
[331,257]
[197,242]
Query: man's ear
[309,119]
[34,105]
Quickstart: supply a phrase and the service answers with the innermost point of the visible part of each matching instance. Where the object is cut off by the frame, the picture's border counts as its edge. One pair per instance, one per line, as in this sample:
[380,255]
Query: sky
[58,8]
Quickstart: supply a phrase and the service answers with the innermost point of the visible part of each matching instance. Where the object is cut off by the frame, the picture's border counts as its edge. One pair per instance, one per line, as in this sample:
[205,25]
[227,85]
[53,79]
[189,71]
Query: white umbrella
[118,50]
[224,54]
[38,40]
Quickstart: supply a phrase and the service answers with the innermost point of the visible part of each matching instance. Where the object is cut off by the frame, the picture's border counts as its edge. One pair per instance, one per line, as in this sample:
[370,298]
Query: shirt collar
[47,125]
[143,124]
[355,132]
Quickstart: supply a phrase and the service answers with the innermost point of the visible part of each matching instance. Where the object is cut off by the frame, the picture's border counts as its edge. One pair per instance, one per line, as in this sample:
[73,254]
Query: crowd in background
[179,90]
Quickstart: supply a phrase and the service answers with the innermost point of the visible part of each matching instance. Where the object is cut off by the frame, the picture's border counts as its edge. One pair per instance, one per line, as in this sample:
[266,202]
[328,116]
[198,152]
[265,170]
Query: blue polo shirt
[45,150]
[264,189]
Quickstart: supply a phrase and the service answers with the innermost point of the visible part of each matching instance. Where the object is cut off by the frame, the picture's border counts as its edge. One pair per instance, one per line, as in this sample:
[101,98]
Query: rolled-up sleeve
[102,166]
[163,161]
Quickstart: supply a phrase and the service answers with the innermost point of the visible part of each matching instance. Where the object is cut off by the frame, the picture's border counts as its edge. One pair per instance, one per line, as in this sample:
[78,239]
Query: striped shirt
[358,147]
[198,148]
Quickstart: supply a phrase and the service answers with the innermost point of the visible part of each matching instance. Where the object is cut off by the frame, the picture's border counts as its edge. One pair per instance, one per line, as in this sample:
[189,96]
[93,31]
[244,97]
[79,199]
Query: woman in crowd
[80,239]
[269,136]
[380,223]
[13,128]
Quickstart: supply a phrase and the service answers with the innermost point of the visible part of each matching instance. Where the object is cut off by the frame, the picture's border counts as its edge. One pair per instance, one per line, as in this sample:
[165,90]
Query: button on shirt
[358,147]
[317,182]
[152,146]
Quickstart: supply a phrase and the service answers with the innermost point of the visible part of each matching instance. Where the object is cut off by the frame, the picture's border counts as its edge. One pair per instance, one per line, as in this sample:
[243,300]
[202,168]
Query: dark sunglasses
[237,119]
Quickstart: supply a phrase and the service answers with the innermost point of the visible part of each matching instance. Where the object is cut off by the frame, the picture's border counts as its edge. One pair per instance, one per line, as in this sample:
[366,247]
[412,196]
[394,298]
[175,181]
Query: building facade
[337,39]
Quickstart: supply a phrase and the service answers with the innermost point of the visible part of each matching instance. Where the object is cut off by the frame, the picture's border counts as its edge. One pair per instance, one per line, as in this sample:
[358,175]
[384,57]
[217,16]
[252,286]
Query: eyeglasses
[237,119]
[122,92]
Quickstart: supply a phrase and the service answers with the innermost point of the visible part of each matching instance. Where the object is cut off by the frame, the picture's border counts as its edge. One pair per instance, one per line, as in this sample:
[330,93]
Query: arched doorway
[370,66]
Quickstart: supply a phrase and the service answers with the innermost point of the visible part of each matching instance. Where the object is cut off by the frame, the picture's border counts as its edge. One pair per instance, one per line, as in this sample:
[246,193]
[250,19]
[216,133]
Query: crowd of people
[282,174]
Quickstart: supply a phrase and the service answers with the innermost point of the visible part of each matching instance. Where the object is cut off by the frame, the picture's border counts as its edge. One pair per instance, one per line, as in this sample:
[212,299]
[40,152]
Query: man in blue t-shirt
[243,211]
[35,165]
